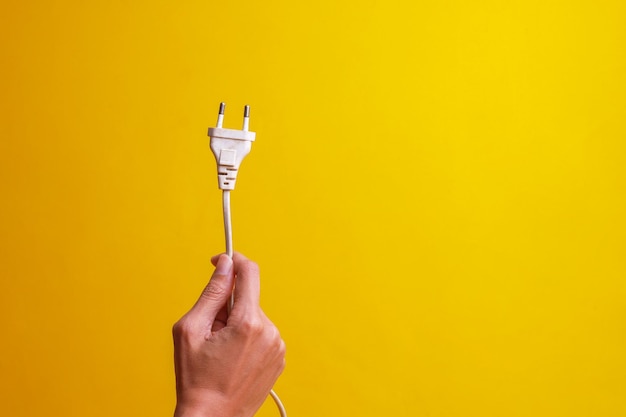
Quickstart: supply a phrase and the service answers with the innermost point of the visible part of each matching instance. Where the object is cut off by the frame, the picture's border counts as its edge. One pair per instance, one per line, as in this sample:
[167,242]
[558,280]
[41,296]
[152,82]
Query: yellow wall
[436,198]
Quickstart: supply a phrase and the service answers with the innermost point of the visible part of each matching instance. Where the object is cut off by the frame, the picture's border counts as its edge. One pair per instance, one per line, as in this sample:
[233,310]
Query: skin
[225,363]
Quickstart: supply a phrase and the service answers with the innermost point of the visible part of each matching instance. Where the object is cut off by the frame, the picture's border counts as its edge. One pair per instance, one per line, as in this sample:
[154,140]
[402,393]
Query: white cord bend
[279,403]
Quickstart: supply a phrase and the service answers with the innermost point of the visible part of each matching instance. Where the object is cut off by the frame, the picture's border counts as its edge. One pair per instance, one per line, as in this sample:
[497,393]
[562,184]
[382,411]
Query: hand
[225,363]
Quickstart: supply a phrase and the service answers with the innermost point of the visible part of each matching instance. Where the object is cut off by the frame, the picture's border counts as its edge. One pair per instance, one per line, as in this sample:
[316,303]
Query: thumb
[217,292]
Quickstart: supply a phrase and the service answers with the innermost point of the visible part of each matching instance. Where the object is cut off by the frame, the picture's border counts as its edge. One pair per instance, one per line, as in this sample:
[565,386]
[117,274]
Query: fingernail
[224,265]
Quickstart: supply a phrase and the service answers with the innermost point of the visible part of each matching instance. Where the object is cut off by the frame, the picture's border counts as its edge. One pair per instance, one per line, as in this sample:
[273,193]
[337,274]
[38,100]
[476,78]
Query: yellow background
[435,197]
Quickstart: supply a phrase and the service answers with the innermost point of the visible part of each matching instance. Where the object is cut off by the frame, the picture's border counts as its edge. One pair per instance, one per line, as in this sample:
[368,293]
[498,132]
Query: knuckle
[275,336]
[281,365]
[282,348]
[181,328]
[252,326]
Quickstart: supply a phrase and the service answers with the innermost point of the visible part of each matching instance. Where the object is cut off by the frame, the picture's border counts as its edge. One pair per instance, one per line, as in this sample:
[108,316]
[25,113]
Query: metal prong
[246,117]
[220,115]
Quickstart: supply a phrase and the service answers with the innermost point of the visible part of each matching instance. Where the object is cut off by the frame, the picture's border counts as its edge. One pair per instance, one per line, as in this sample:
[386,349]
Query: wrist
[206,405]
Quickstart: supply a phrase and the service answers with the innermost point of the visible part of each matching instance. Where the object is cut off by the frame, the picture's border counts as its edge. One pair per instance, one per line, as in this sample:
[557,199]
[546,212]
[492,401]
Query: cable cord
[228,224]
[228,233]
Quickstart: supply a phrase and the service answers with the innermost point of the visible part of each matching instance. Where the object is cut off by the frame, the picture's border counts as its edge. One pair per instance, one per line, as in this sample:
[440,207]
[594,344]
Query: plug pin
[246,118]
[220,115]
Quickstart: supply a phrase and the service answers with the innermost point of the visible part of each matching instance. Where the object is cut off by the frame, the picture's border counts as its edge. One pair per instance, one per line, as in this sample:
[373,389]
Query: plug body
[230,147]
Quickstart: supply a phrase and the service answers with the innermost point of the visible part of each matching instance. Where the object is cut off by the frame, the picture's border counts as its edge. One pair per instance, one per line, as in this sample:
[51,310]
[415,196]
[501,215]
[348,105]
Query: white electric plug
[230,146]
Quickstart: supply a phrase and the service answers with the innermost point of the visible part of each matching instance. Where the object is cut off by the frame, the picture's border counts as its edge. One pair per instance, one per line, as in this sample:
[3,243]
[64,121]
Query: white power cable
[228,225]
[230,147]
[228,233]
